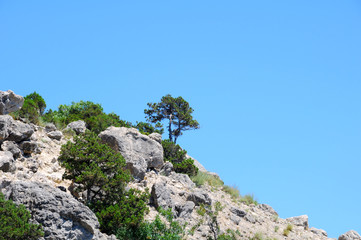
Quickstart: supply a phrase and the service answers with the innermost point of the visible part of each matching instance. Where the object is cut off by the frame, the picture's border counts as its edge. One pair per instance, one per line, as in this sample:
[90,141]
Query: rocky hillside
[30,174]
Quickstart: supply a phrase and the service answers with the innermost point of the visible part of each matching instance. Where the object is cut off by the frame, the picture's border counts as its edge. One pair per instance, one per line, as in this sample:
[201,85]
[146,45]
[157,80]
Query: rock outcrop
[77,126]
[13,130]
[10,102]
[140,151]
[59,213]
[350,235]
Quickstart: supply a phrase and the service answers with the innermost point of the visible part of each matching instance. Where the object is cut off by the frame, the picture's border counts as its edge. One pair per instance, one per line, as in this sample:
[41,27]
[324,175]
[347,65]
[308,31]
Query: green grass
[287,230]
[205,178]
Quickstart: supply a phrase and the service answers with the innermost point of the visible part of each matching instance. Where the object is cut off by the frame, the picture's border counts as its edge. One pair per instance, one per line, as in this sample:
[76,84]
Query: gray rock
[61,216]
[267,208]
[183,179]
[200,197]
[319,232]
[235,219]
[50,127]
[57,135]
[7,162]
[13,130]
[250,218]
[166,169]
[161,196]
[10,102]
[32,164]
[301,221]
[156,136]
[11,147]
[77,126]
[350,235]
[140,151]
[238,212]
[29,147]
[185,210]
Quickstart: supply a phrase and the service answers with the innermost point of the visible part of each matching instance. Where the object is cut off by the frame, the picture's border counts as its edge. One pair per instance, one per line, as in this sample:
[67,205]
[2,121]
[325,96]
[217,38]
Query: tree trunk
[170,128]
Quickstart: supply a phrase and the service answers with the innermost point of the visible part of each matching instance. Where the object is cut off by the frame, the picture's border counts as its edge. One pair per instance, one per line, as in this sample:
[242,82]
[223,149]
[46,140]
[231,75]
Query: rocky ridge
[31,175]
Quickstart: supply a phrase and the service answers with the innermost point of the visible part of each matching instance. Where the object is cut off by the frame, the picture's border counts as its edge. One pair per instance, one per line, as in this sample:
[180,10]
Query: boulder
[350,235]
[301,221]
[200,197]
[182,179]
[77,126]
[61,216]
[140,151]
[10,102]
[29,147]
[184,211]
[161,196]
[238,212]
[267,209]
[166,169]
[319,232]
[7,162]
[50,127]
[11,147]
[57,135]
[13,130]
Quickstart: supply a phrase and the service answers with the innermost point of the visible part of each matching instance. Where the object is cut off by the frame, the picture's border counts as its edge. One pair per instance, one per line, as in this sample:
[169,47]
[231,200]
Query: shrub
[235,194]
[32,109]
[97,168]
[14,222]
[155,230]
[177,156]
[202,177]
[91,113]
[99,171]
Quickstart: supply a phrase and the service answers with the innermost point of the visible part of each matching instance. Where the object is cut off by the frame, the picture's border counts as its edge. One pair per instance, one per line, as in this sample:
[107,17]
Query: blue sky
[275,85]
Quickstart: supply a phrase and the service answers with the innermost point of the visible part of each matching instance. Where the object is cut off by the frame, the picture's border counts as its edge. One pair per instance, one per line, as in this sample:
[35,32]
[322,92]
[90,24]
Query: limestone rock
[185,210]
[183,179]
[267,209]
[350,235]
[238,212]
[6,162]
[140,151]
[50,127]
[13,130]
[77,126]
[319,232]
[29,147]
[11,147]
[10,102]
[61,215]
[301,221]
[200,197]
[156,136]
[57,135]
[161,196]
[167,169]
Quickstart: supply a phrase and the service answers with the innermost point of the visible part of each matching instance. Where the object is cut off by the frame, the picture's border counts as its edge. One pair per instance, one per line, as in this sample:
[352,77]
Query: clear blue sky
[275,85]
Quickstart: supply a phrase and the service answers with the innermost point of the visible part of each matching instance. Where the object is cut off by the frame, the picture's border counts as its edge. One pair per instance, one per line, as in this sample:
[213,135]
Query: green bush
[14,222]
[155,230]
[128,212]
[100,172]
[32,109]
[97,168]
[91,113]
[177,156]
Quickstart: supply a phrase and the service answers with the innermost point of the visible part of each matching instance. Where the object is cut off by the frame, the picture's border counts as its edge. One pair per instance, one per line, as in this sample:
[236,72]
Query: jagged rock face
[13,130]
[59,213]
[301,221]
[10,102]
[140,151]
[350,235]
[7,162]
[77,126]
